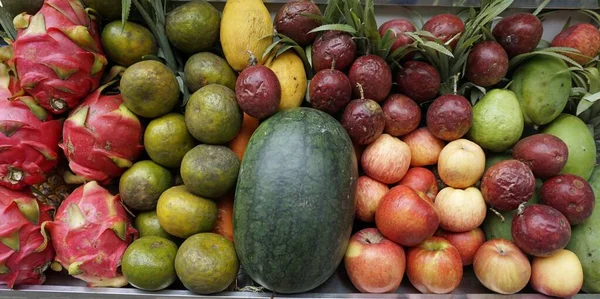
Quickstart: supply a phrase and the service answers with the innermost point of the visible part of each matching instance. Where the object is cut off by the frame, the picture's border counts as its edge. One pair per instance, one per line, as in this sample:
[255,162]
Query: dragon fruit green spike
[90,233]
[57,55]
[25,251]
[28,138]
[101,137]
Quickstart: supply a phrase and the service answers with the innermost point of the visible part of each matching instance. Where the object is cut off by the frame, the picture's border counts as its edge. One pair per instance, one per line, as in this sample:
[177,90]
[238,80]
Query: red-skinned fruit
[422,181]
[373,74]
[540,230]
[402,115]
[330,91]
[291,22]
[507,184]
[434,266]
[101,138]
[57,54]
[405,218]
[333,48]
[90,233]
[501,266]
[386,159]
[519,33]
[449,117]
[445,27]
[25,251]
[571,195]
[374,263]
[545,154]
[258,91]
[583,37]
[363,120]
[460,210]
[467,243]
[424,147]
[369,193]
[419,81]
[398,27]
[487,64]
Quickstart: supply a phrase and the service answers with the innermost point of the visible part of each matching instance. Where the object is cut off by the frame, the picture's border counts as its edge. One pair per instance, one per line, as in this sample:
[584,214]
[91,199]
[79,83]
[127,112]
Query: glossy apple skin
[369,193]
[386,159]
[487,64]
[398,27]
[374,76]
[374,263]
[445,27]
[402,115]
[571,195]
[460,210]
[423,181]
[540,230]
[461,163]
[519,33]
[545,154]
[467,243]
[501,266]
[418,80]
[557,275]
[434,266]
[405,218]
[507,184]
[424,147]
[583,37]
[449,117]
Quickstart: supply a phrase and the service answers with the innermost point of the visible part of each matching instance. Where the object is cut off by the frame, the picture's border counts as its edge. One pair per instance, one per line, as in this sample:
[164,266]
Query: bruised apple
[386,159]
[368,195]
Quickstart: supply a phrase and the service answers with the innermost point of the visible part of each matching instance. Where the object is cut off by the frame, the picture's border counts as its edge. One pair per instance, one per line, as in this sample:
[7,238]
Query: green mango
[580,141]
[585,241]
[494,227]
[542,85]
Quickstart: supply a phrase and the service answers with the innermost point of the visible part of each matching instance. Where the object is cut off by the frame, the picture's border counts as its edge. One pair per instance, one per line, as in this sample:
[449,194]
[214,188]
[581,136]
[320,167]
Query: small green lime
[210,170]
[149,263]
[142,184]
[207,68]
[497,121]
[193,27]
[167,140]
[127,45]
[147,225]
[182,214]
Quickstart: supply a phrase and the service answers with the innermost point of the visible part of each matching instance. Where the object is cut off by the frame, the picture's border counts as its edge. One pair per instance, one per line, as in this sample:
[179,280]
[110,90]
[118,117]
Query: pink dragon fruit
[25,252]
[57,54]
[90,233]
[28,138]
[101,137]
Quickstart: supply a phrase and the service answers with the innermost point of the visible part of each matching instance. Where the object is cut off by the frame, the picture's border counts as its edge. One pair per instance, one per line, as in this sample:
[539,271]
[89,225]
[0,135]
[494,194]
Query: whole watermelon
[294,200]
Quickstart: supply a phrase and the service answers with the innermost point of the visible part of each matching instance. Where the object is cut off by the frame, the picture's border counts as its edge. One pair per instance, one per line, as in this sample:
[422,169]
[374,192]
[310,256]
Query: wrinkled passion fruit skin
[290,22]
[402,115]
[419,81]
[398,27]
[374,76]
[333,45]
[545,154]
[519,33]
[330,91]
[363,120]
[445,27]
[507,184]
[583,37]
[487,64]
[540,230]
[571,195]
[258,91]
[449,117]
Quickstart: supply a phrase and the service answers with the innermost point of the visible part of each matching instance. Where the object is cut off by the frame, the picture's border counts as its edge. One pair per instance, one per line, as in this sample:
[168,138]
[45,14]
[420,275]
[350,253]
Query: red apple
[501,266]
[467,243]
[461,163]
[424,147]
[446,27]
[402,115]
[405,218]
[374,263]
[460,210]
[583,37]
[557,275]
[423,181]
[386,159]
[434,266]
[368,195]
[398,27]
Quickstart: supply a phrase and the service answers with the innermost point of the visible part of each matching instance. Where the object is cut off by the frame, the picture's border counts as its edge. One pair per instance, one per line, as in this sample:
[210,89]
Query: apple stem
[497,214]
[360,89]
[252,61]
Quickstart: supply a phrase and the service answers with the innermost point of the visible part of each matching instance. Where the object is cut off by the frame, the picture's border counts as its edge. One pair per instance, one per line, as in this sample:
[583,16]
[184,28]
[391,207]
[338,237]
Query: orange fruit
[240,142]
[224,224]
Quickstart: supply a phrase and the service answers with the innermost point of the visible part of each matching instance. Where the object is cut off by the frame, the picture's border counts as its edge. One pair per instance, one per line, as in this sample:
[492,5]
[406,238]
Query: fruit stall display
[193,148]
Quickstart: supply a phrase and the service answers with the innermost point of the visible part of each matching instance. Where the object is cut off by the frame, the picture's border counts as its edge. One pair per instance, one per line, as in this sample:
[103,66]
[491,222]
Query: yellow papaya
[290,71]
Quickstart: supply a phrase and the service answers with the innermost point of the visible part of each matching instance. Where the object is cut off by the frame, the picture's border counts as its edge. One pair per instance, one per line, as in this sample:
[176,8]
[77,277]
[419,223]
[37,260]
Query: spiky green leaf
[339,27]
[125,9]
[541,7]
[586,102]
[7,23]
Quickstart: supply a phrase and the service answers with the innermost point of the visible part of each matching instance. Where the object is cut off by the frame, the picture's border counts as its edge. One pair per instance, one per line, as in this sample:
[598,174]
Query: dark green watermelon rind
[294,202]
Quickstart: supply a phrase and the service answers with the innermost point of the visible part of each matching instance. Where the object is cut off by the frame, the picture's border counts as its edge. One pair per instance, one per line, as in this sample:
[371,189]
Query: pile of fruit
[141,146]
